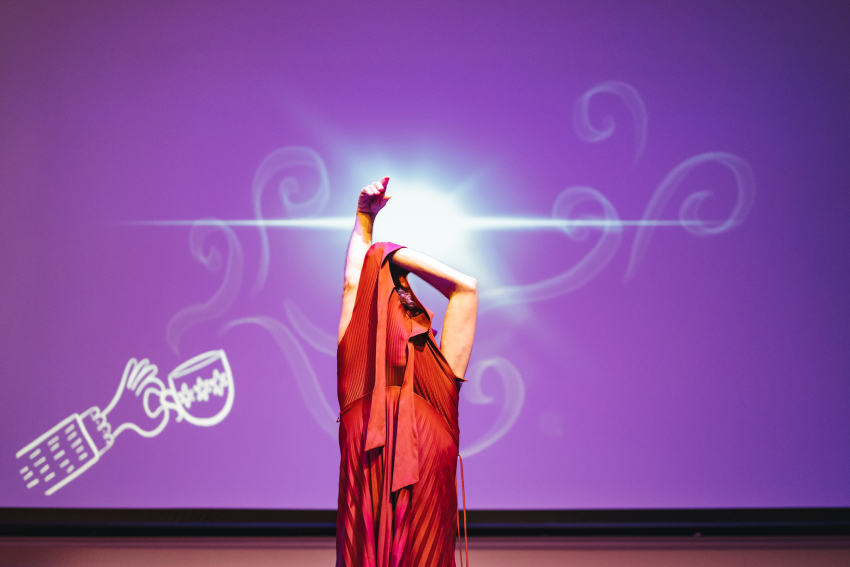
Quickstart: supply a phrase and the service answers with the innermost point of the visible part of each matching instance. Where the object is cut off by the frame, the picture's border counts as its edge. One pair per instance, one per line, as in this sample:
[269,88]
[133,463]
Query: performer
[398,396]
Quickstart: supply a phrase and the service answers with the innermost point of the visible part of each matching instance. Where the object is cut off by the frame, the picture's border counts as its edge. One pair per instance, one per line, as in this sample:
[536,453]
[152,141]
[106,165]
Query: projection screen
[653,197]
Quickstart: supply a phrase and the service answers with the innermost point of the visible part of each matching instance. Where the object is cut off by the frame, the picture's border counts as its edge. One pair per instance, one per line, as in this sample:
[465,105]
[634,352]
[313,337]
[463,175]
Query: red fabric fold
[406,455]
[376,433]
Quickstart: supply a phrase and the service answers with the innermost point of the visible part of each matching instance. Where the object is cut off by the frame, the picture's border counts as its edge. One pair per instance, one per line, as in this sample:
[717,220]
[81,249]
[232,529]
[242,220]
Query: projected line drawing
[581,273]
[689,210]
[315,336]
[300,178]
[587,132]
[200,391]
[514,392]
[274,165]
[226,294]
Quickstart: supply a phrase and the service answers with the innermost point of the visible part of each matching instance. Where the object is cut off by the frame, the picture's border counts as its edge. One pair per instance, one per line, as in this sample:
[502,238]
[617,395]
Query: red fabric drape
[398,433]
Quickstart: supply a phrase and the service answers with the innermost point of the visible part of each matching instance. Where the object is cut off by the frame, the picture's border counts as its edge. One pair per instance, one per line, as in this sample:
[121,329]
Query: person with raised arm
[398,399]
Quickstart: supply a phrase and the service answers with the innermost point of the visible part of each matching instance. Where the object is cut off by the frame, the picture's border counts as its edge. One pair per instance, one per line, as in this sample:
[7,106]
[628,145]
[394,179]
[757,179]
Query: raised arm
[372,200]
[462,293]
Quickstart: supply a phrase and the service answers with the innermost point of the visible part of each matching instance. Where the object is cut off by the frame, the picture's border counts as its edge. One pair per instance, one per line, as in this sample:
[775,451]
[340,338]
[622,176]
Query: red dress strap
[406,455]
[376,432]
[465,540]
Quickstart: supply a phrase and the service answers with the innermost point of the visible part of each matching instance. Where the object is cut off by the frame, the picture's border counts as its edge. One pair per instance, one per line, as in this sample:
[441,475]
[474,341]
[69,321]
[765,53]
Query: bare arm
[462,293]
[372,200]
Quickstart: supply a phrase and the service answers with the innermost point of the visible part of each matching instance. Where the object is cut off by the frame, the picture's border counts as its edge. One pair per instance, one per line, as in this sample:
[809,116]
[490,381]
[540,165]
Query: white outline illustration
[585,129]
[301,170]
[69,448]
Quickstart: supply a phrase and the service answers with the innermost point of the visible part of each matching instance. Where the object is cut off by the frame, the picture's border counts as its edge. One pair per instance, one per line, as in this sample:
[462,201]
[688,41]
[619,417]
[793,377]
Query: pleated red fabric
[398,435]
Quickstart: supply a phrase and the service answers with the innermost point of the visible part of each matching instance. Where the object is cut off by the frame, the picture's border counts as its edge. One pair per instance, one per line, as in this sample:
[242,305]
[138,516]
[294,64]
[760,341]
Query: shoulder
[379,251]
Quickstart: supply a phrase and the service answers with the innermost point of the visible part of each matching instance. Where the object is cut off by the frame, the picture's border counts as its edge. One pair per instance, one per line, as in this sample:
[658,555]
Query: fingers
[376,188]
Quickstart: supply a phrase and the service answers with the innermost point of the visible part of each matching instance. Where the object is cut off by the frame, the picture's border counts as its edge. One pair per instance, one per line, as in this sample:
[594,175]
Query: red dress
[398,435]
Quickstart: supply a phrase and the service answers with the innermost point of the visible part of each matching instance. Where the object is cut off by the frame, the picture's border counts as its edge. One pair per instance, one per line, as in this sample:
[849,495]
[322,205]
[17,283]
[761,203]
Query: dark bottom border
[497,523]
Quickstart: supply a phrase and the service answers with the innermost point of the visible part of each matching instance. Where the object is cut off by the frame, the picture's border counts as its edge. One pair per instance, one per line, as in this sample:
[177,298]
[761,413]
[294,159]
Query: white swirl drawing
[299,363]
[585,129]
[585,270]
[300,178]
[514,399]
[227,292]
[76,443]
[315,336]
[276,164]
[689,210]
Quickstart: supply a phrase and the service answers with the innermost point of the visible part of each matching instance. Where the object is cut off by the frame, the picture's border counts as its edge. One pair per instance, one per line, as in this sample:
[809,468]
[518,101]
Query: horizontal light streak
[468,223]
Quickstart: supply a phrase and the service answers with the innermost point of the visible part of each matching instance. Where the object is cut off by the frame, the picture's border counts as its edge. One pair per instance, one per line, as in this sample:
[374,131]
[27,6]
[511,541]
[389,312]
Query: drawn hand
[373,198]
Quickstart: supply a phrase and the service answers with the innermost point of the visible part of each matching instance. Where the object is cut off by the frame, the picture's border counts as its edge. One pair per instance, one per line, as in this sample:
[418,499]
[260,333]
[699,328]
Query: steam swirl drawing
[300,172]
[294,170]
[281,168]
[583,124]
[582,272]
[299,178]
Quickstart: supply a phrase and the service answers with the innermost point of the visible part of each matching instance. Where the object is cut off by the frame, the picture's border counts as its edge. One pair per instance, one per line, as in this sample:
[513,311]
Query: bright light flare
[425,219]
[461,224]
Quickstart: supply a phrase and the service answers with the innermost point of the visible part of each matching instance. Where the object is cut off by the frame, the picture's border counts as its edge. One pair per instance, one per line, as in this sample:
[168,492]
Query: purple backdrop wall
[652,195]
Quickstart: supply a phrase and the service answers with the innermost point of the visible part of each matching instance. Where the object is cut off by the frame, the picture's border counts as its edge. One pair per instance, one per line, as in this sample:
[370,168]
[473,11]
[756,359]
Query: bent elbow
[469,285]
[350,281]
[349,287]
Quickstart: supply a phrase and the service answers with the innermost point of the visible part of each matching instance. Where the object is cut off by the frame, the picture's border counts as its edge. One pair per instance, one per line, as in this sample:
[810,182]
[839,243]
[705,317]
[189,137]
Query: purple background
[716,376]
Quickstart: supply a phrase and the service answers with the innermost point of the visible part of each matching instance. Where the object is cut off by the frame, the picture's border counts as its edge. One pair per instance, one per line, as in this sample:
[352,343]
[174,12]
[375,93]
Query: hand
[373,198]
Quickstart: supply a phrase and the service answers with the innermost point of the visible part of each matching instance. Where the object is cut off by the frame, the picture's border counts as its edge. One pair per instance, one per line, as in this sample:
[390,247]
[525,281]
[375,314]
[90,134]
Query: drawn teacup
[203,388]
